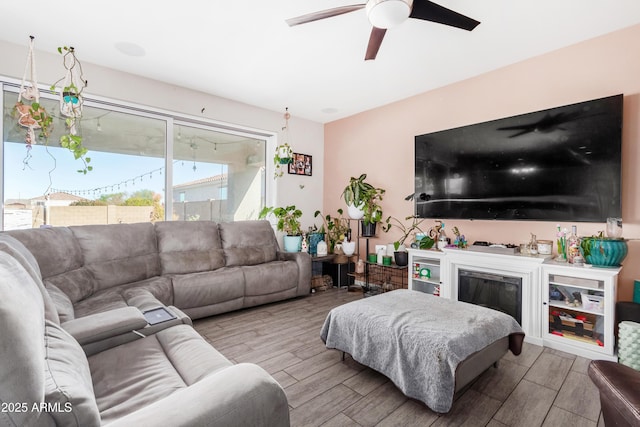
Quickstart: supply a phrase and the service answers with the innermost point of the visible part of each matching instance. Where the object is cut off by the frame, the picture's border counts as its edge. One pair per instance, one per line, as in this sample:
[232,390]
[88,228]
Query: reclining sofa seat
[203,268]
[172,377]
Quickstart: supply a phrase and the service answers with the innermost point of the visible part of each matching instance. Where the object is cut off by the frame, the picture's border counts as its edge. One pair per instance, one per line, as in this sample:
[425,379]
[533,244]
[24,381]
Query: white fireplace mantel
[527,268]
[537,274]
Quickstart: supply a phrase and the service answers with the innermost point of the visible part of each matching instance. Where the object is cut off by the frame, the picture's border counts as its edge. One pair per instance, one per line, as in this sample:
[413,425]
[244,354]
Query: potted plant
[335,227]
[603,251]
[372,211]
[28,111]
[289,223]
[355,195]
[71,103]
[400,252]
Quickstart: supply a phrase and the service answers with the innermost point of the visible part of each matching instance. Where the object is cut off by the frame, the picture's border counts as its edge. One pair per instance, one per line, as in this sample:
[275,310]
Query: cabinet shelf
[425,272]
[562,306]
[433,280]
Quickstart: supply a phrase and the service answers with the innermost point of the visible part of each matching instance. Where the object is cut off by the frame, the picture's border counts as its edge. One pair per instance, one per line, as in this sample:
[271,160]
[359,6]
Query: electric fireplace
[498,292]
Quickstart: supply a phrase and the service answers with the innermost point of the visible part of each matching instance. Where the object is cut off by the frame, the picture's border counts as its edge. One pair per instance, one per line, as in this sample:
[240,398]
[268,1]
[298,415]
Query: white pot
[348,248]
[355,212]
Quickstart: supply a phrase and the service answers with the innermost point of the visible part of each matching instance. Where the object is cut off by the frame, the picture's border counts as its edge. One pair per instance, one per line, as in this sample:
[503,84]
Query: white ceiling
[244,50]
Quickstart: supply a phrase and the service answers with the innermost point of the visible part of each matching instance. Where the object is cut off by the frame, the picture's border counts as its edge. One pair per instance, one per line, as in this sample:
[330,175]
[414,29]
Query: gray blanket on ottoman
[416,339]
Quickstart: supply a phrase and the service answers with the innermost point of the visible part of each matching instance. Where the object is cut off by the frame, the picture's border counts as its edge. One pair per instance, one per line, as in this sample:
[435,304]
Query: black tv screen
[560,164]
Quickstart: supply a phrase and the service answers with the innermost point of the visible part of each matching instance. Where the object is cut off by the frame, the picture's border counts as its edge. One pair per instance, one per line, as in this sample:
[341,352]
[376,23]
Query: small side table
[318,260]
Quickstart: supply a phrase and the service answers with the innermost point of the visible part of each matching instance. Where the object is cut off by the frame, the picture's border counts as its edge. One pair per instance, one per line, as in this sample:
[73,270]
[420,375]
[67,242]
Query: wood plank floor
[541,387]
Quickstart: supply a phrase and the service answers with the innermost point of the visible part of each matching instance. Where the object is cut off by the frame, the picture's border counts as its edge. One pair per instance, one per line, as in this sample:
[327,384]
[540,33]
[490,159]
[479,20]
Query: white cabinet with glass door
[579,309]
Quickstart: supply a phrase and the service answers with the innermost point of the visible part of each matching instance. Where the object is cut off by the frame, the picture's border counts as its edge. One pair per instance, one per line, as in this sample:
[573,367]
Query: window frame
[171,118]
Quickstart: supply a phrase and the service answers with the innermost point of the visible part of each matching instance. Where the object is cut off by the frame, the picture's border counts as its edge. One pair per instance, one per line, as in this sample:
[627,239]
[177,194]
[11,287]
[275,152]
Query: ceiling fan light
[388,13]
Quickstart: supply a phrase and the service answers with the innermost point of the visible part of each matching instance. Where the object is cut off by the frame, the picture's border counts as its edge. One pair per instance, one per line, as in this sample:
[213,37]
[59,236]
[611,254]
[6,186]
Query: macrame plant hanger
[73,83]
[28,113]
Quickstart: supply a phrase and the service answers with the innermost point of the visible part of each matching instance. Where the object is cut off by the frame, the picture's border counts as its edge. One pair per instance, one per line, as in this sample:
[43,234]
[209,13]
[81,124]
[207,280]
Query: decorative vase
[604,252]
[355,212]
[368,229]
[292,243]
[314,238]
[348,248]
[322,248]
[401,258]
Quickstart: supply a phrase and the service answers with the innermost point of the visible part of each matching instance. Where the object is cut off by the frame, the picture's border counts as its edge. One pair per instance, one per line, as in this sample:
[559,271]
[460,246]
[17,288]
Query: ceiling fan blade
[429,11]
[315,16]
[375,40]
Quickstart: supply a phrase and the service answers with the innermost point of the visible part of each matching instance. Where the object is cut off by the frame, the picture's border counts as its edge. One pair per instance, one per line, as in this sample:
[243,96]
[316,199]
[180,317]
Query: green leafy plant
[288,218]
[362,195]
[282,158]
[587,243]
[335,227]
[36,115]
[371,208]
[406,229]
[355,193]
[71,106]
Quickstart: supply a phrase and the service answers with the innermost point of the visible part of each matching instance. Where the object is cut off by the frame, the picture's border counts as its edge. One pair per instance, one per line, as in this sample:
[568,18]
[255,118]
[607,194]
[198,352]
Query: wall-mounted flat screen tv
[560,164]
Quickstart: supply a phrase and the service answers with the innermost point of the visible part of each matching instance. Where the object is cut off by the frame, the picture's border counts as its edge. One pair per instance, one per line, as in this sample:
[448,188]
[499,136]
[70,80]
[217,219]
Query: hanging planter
[71,102]
[27,110]
[284,153]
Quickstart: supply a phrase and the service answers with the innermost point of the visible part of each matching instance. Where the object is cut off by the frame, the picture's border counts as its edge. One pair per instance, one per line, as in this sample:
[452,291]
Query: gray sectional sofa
[76,348]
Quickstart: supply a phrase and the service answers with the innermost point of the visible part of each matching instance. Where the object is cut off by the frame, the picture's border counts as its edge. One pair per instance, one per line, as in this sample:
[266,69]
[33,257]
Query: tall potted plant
[289,223]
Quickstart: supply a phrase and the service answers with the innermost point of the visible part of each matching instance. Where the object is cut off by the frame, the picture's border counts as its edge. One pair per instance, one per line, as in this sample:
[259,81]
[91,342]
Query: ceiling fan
[385,14]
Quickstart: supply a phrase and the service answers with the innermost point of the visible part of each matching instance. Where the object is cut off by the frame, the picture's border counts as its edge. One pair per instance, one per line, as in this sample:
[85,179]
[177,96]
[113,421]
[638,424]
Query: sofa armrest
[618,386]
[303,260]
[103,325]
[240,395]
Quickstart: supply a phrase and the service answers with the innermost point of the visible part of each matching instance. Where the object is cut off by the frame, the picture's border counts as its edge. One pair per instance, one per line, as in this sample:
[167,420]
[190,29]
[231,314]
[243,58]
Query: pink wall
[380,142]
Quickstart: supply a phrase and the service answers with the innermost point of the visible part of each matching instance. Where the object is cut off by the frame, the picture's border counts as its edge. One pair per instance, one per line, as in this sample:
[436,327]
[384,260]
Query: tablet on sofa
[158,315]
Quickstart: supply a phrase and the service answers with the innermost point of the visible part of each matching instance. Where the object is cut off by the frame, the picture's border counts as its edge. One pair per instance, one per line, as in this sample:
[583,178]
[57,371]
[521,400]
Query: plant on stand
[289,223]
[372,211]
[356,193]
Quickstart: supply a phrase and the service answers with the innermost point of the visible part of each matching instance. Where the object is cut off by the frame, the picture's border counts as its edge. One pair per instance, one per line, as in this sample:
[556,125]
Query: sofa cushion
[248,242]
[138,373]
[208,287]
[68,385]
[17,250]
[119,253]
[55,248]
[77,284]
[21,343]
[117,296]
[189,246]
[270,278]
[63,304]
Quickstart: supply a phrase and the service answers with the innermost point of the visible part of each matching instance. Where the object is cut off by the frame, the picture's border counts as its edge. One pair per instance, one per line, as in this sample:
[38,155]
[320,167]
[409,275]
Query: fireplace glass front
[502,293]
